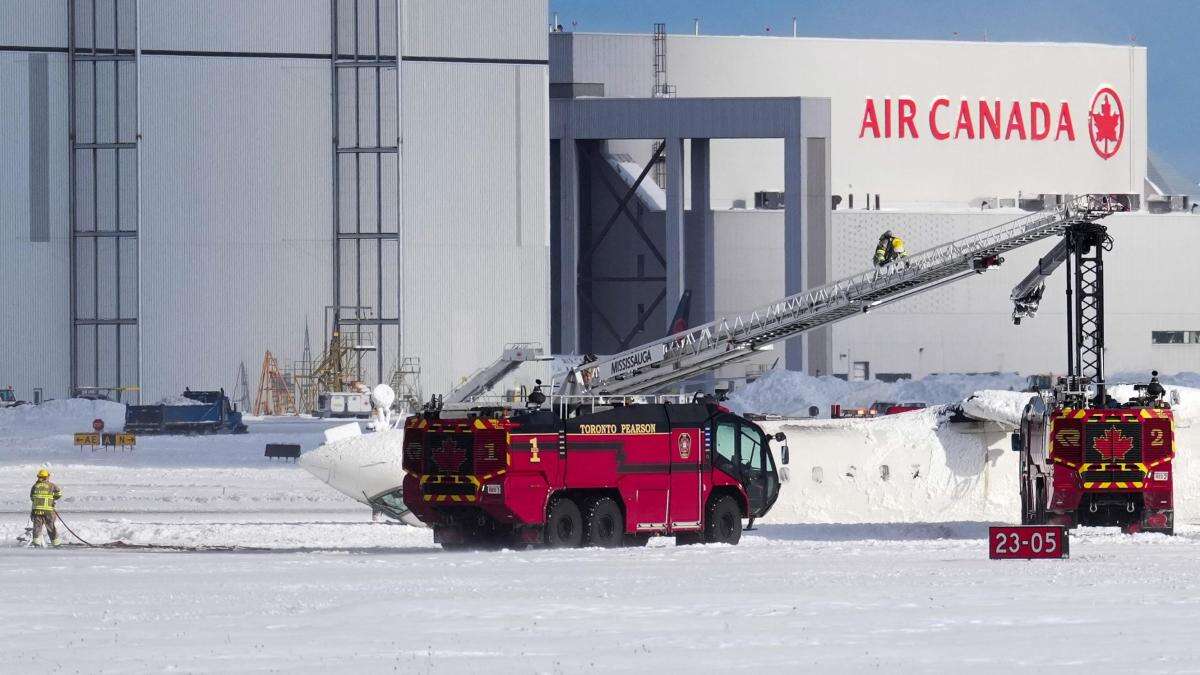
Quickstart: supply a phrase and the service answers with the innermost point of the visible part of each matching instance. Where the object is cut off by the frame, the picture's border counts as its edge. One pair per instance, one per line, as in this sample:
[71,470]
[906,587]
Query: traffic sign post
[1028,542]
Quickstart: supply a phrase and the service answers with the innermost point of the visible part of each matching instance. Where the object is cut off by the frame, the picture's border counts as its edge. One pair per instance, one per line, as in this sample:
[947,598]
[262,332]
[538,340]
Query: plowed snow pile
[920,466]
[60,416]
[788,393]
[913,467]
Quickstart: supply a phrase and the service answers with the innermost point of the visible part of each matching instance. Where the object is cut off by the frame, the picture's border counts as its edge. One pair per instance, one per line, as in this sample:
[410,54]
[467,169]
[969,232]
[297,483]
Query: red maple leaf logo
[1113,445]
[449,457]
[1107,127]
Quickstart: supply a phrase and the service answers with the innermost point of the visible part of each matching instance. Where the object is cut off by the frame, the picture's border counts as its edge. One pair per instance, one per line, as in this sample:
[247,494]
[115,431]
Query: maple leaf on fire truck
[1113,445]
[449,457]
[1106,123]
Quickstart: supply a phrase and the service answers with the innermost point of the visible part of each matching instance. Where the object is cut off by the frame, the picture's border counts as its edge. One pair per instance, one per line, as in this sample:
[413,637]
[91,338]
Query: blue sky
[1170,30]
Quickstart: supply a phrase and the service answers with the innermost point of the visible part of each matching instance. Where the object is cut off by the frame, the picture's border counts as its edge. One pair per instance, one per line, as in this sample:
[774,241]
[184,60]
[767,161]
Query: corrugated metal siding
[513,29]
[469,286]
[33,300]
[33,24]
[287,26]
[366,25]
[624,63]
[235,215]
[561,56]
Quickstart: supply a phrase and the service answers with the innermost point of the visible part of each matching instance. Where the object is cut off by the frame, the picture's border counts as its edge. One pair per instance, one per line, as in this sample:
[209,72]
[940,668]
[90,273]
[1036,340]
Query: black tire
[1039,507]
[724,523]
[1026,506]
[564,524]
[605,524]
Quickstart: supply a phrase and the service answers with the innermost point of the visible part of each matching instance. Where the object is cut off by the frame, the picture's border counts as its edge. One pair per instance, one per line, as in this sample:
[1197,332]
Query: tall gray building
[236,168]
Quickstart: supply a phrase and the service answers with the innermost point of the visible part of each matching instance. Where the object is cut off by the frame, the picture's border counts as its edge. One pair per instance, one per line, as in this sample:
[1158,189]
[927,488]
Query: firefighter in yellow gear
[44,495]
[889,250]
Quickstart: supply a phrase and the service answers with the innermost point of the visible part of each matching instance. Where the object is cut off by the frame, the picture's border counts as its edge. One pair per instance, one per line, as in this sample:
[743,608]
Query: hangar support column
[698,244]
[806,223]
[568,246]
[676,252]
[794,250]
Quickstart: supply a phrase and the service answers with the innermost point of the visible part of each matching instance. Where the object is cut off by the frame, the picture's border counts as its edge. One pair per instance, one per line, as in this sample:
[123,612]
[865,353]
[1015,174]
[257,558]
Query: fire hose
[64,524]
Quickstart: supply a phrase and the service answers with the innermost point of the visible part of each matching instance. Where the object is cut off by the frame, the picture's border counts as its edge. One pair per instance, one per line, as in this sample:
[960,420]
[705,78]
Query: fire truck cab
[601,473]
[1106,466]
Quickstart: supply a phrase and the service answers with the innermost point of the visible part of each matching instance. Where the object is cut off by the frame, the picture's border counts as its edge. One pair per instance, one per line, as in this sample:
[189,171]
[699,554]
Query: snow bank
[1004,407]
[178,399]
[789,393]
[61,416]
[1185,401]
[297,535]
[919,467]
[914,467]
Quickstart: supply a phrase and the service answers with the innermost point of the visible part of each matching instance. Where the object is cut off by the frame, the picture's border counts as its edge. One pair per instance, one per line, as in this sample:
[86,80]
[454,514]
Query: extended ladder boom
[481,380]
[677,357]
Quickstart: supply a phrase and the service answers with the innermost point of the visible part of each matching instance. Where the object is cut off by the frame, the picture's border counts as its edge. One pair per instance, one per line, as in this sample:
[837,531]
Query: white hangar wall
[909,77]
[236,231]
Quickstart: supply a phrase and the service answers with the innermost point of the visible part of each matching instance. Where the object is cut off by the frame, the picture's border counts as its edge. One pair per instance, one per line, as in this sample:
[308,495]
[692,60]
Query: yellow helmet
[42,473]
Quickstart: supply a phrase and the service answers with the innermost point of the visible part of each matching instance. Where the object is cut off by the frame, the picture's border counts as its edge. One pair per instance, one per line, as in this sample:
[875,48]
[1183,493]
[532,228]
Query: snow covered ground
[851,573]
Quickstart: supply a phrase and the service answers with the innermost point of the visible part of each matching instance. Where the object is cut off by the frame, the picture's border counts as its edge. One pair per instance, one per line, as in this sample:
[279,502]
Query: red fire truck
[599,473]
[1085,458]
[1098,466]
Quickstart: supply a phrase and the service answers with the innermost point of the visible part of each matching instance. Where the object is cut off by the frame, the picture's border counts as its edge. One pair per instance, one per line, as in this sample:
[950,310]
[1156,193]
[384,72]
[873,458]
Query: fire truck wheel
[724,524]
[1026,507]
[564,524]
[1039,514]
[605,524]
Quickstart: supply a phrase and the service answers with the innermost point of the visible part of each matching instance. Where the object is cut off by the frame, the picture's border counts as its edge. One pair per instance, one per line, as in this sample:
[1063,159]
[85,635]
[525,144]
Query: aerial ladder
[483,379]
[675,358]
[1082,249]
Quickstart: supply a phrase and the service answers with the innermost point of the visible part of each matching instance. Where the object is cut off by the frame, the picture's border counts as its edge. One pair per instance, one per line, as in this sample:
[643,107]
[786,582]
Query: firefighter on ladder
[889,250]
[44,495]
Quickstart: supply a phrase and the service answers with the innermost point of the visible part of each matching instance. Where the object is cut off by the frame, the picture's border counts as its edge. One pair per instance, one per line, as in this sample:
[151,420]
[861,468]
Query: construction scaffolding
[340,367]
[274,391]
[405,380]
